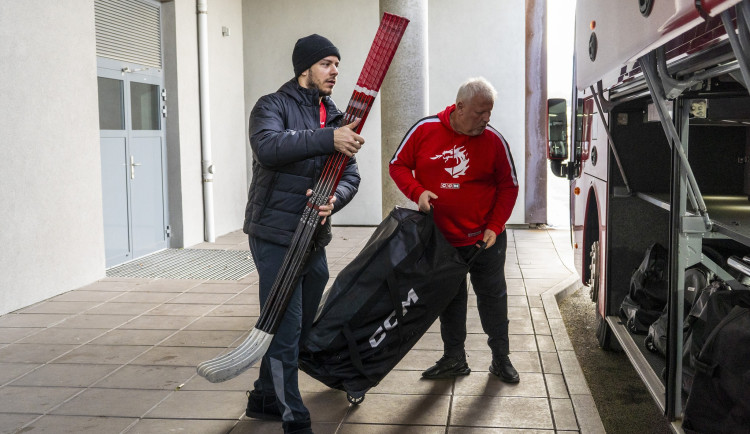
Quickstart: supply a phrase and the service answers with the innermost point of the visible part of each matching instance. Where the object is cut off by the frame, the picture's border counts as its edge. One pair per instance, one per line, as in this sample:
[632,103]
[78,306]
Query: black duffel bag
[647,294]
[719,348]
[696,280]
[382,303]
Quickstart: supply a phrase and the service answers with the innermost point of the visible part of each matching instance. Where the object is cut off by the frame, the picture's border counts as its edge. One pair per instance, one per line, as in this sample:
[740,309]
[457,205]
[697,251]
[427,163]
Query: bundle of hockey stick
[232,364]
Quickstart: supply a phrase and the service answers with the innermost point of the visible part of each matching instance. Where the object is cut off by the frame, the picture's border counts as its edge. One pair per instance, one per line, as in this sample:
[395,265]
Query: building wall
[470,38]
[50,201]
[185,187]
[227,113]
[466,39]
[53,236]
[351,26]
[52,233]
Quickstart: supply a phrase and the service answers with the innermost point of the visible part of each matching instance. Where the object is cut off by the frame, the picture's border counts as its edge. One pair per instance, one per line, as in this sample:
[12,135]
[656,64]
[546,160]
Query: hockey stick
[232,364]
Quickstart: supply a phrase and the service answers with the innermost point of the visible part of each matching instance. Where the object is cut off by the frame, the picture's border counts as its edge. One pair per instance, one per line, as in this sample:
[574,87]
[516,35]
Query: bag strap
[398,308]
[478,248]
[354,353]
[702,361]
[428,231]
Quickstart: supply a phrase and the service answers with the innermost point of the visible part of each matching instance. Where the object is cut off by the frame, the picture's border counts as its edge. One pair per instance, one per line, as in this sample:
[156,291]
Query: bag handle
[428,231]
[478,248]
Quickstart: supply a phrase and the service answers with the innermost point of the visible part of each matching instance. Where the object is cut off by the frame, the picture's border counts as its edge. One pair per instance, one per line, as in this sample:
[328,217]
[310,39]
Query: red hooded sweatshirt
[473,177]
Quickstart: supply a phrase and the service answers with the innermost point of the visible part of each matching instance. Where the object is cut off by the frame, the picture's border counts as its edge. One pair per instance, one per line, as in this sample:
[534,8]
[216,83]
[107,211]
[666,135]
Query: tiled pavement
[119,356]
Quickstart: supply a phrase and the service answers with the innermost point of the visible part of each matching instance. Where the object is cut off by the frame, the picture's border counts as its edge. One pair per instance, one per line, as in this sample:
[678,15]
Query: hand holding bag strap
[478,248]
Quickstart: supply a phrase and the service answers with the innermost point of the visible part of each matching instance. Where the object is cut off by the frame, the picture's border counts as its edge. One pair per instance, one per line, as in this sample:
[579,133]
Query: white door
[133,149]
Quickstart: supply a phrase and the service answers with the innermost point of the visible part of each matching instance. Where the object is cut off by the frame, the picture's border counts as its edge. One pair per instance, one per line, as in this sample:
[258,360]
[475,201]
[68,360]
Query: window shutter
[129,31]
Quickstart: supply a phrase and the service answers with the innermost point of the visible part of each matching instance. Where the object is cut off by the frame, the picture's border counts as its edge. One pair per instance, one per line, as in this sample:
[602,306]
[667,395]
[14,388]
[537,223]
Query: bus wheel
[595,269]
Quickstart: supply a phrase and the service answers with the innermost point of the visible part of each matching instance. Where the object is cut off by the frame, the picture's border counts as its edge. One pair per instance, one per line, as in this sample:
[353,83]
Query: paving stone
[79,424]
[112,402]
[64,375]
[187,426]
[61,335]
[402,410]
[509,412]
[34,400]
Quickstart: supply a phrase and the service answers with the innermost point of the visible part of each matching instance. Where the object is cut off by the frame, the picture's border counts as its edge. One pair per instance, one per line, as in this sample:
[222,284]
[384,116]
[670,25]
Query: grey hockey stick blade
[237,361]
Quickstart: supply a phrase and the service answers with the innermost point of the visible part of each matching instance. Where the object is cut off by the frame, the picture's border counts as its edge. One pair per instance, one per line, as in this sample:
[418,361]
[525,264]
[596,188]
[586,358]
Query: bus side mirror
[557,129]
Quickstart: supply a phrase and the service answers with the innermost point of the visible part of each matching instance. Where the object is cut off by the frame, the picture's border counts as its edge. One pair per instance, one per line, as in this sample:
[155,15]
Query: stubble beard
[312,84]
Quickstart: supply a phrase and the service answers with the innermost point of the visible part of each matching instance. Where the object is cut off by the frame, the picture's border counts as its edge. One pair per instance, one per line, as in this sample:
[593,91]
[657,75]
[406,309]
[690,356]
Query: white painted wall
[185,188]
[470,38]
[227,114]
[466,39]
[351,26]
[52,234]
[226,83]
[52,237]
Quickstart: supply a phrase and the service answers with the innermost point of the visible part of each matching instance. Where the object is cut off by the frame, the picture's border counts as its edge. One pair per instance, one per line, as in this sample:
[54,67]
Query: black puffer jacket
[289,152]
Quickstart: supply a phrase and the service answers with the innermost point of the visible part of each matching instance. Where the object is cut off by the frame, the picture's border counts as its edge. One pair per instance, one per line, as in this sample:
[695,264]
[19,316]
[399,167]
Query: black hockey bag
[696,279]
[382,303]
[648,291]
[719,400]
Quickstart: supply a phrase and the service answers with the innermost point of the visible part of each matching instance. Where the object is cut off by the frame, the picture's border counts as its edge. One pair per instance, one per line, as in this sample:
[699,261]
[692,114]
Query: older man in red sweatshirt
[461,167]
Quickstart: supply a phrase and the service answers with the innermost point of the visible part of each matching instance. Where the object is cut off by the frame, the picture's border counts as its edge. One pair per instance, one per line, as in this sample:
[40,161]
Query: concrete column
[404,93]
[536,112]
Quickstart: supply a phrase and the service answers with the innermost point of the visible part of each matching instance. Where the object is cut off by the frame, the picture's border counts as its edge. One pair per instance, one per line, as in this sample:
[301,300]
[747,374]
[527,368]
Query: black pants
[487,275]
[278,368]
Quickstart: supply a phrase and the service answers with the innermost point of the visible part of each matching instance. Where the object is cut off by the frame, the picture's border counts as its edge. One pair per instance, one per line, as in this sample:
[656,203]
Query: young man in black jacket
[292,133]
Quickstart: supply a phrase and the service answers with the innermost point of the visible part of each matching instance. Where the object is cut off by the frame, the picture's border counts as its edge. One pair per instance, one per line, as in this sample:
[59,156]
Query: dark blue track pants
[278,369]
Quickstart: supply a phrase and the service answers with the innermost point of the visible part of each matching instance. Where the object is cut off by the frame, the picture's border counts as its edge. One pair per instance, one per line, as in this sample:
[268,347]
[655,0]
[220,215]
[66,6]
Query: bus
[659,153]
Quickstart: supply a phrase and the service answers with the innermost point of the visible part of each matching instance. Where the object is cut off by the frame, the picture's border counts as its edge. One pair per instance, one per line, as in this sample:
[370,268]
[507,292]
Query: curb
[584,406]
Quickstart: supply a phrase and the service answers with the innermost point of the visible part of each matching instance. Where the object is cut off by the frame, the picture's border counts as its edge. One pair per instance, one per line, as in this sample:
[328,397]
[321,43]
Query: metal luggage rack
[730,214]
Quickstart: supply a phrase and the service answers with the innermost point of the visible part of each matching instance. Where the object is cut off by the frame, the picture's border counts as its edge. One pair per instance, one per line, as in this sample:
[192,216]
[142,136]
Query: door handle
[132,167]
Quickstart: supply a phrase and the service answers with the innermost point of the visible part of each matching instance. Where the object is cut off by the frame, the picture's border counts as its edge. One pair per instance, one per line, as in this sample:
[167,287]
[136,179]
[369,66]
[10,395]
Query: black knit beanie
[310,49]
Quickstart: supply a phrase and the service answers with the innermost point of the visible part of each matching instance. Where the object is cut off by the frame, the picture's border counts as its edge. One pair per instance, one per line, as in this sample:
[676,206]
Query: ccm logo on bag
[379,334]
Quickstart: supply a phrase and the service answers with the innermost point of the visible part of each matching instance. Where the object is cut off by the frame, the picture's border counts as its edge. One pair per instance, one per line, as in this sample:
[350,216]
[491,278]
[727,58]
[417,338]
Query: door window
[144,102]
[110,104]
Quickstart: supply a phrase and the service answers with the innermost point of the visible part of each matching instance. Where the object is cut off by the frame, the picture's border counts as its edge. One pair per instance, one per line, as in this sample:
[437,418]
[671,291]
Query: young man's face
[322,75]
[474,115]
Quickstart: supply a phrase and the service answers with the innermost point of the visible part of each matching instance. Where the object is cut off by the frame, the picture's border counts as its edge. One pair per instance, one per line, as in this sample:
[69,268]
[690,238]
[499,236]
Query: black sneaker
[447,367]
[297,427]
[260,406]
[503,368]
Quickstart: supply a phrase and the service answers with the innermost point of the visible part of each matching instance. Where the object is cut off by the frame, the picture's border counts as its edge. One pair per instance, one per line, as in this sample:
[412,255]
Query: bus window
[585,117]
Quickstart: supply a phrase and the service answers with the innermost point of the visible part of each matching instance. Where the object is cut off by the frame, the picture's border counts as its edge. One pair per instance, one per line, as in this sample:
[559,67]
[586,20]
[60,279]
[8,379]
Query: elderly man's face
[322,75]
[473,116]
